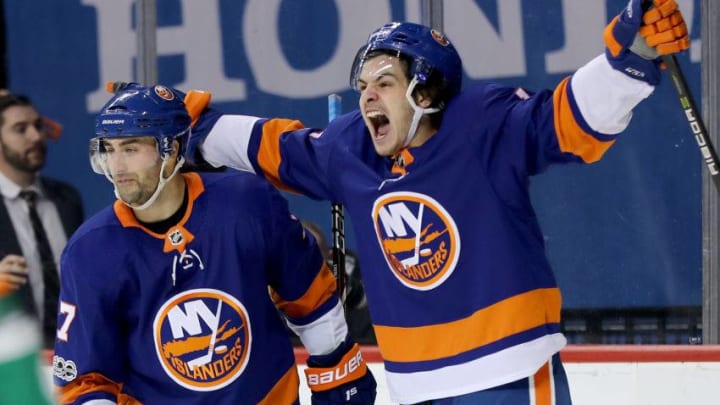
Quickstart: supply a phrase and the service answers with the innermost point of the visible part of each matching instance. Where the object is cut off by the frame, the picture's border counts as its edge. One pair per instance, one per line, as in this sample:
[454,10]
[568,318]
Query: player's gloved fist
[664,29]
[641,33]
[341,377]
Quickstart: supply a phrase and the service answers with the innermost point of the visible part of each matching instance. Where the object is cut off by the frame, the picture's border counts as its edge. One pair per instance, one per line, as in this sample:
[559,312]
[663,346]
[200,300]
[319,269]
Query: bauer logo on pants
[418,238]
[202,339]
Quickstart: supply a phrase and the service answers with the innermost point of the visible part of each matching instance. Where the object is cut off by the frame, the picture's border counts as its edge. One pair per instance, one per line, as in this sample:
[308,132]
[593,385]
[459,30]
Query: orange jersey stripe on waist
[285,391]
[490,324]
[321,289]
[571,137]
[85,384]
[269,157]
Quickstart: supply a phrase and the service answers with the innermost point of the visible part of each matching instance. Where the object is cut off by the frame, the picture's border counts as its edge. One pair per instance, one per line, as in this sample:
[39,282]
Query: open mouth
[380,123]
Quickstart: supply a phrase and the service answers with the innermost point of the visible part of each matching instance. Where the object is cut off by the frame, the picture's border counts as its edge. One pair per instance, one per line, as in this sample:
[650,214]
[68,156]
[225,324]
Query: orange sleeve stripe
[571,137]
[321,289]
[285,391]
[613,45]
[269,157]
[85,384]
[516,314]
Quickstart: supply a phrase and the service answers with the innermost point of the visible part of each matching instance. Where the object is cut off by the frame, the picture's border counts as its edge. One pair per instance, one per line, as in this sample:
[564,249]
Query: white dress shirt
[50,218]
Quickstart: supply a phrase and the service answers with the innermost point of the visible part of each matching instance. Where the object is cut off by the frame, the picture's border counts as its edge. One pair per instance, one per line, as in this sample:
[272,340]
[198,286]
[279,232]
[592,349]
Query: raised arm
[607,89]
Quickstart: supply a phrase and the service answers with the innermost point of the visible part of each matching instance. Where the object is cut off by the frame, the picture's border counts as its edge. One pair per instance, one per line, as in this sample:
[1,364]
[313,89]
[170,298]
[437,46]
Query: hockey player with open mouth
[435,180]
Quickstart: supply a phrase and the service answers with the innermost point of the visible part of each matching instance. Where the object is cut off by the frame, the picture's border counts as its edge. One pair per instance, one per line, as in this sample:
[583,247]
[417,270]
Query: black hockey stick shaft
[338,219]
[338,249]
[694,119]
[692,114]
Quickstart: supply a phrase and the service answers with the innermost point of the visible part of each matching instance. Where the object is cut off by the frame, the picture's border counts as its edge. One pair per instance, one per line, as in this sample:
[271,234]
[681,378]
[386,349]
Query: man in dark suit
[37,214]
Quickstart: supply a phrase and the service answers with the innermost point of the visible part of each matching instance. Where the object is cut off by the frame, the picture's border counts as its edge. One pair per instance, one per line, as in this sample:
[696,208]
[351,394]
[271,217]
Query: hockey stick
[338,218]
[692,114]
[707,150]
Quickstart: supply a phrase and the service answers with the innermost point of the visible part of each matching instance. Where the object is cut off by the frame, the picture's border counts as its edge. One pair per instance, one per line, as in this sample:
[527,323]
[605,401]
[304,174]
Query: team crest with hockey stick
[202,339]
[418,238]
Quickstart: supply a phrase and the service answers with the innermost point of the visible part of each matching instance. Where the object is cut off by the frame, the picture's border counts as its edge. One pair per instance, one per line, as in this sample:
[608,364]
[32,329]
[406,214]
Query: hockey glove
[636,38]
[341,377]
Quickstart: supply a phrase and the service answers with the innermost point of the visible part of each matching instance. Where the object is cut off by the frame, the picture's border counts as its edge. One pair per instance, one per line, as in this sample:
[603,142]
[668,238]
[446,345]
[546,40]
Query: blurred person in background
[37,215]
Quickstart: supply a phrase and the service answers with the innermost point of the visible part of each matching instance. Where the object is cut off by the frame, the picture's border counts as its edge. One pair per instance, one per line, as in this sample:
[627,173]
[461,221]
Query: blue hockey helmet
[136,110]
[428,50]
[142,111]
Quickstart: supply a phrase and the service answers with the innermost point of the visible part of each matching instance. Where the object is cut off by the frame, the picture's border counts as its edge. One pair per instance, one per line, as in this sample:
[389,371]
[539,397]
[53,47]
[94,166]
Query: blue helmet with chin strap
[427,49]
[157,111]
[141,111]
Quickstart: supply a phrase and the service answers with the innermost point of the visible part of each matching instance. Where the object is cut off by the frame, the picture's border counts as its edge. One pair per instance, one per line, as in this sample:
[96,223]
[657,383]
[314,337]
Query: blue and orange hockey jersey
[460,291]
[187,317]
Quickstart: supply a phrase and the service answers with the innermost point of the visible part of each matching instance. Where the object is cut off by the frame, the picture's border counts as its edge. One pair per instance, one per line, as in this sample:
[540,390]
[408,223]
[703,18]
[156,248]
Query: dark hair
[436,90]
[8,100]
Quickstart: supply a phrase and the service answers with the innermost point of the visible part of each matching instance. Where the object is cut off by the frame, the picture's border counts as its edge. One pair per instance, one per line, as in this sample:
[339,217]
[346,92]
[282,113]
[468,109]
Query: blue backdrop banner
[623,232]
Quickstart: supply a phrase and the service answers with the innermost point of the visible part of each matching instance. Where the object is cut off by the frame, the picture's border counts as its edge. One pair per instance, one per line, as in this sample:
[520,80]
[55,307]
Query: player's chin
[384,146]
[131,197]
[382,143]
[384,149]
[134,202]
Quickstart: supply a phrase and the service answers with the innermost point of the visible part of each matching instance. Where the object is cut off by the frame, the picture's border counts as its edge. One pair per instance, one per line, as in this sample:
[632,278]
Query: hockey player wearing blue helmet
[168,297]
[464,303]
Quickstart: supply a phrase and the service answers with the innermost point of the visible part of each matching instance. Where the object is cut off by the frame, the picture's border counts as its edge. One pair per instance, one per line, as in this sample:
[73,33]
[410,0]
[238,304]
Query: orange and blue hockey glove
[203,118]
[638,36]
[341,377]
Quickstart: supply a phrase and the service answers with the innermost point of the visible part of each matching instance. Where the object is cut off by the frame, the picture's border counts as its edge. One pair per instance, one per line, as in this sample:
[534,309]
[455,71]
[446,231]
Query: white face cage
[98,157]
[99,162]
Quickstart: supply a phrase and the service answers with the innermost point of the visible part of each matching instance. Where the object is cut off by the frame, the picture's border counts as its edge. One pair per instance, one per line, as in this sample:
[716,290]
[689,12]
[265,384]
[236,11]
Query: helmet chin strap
[418,112]
[161,184]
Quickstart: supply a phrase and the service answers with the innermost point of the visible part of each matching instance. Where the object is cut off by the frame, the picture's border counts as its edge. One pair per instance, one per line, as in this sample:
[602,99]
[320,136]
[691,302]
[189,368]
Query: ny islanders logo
[418,237]
[202,339]
[164,92]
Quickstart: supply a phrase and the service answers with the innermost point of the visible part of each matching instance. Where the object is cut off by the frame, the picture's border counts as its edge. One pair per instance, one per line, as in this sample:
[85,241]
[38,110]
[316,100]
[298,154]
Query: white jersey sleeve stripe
[605,96]
[315,336]
[227,142]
